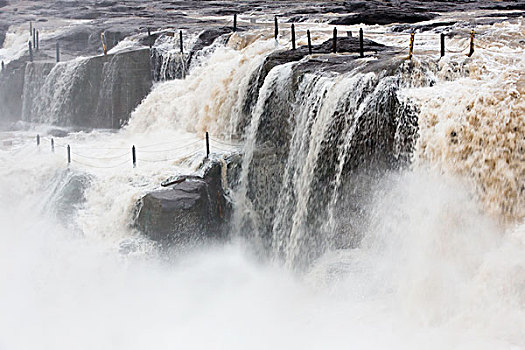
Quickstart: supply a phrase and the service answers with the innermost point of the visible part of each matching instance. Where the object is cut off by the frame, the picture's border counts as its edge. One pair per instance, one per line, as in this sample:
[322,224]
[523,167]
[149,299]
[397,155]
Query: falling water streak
[309,97]
[358,105]
[46,96]
[244,213]
[319,127]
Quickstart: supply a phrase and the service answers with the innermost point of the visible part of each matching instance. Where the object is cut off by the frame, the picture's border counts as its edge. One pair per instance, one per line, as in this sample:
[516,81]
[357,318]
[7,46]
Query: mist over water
[433,271]
[436,258]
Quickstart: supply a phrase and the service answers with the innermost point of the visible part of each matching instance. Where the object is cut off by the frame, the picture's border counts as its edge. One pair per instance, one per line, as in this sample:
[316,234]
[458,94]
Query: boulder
[192,210]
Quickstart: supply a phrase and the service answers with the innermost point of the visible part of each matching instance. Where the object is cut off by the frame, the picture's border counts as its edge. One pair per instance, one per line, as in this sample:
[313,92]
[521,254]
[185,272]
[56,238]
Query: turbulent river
[433,257]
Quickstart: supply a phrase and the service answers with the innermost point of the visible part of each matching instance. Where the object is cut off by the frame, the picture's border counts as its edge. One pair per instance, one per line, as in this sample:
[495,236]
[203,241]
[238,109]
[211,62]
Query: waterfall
[210,98]
[96,92]
[377,201]
[168,62]
[294,166]
[48,91]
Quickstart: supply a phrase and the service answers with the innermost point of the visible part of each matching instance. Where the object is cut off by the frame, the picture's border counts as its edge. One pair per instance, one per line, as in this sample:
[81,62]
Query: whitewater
[440,261]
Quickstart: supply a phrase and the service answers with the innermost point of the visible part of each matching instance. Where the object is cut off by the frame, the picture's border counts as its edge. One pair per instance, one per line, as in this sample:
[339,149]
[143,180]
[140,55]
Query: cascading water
[48,91]
[389,194]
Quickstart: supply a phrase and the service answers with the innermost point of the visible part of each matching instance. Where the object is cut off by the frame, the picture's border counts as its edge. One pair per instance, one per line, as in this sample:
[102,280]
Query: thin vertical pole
[181,42]
[58,52]
[207,145]
[276,25]
[68,155]
[38,140]
[3,66]
[235,22]
[471,52]
[309,41]
[103,40]
[149,31]
[411,46]
[37,40]
[293,36]
[52,145]
[442,44]
[30,28]
[34,38]
[133,156]
[335,40]
[361,50]
[30,52]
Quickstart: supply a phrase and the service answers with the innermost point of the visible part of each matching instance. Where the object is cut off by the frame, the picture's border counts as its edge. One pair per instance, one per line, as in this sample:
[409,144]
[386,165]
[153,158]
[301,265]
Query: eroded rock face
[11,90]
[99,92]
[367,131]
[191,211]
[3,30]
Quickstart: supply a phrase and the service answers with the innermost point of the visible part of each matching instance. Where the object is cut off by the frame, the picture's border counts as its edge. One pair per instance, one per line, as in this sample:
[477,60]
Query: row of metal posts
[361,46]
[35,44]
[133,149]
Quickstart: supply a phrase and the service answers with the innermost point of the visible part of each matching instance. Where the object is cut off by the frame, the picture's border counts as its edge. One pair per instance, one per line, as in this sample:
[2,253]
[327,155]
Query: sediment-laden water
[380,202]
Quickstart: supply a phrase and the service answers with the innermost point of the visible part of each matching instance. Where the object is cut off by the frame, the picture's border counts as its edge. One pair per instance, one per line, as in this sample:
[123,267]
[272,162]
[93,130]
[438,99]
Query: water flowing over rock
[98,92]
[312,135]
[323,200]
[11,90]
[169,63]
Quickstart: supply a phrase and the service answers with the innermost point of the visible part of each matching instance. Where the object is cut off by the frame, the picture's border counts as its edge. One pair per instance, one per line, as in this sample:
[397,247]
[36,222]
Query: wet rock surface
[11,90]
[119,19]
[101,93]
[190,211]
[384,16]
[383,132]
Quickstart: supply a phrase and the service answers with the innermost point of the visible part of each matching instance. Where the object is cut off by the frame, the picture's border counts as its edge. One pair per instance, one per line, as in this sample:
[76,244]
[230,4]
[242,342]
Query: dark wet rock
[86,38]
[3,30]
[233,170]
[383,138]
[386,16]
[336,63]
[192,210]
[100,92]
[120,19]
[58,133]
[11,90]
[420,27]
[177,179]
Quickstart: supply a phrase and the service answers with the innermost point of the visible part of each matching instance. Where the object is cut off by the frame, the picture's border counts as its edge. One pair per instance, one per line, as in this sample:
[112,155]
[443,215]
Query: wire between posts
[171,149]
[168,160]
[224,142]
[221,149]
[98,166]
[167,143]
[100,158]
[460,51]
[478,45]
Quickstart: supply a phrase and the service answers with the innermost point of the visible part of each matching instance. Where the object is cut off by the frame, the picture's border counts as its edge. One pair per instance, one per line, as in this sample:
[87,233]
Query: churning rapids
[378,203]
